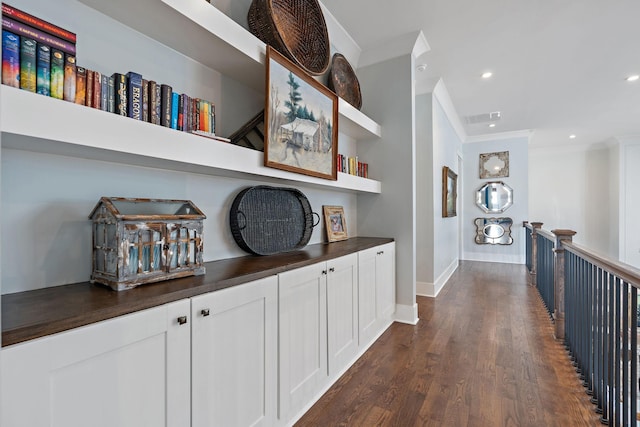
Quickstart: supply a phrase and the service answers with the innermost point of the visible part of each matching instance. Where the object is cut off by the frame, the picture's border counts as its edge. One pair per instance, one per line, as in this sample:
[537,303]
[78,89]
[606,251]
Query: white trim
[409,44]
[441,94]
[526,133]
[506,259]
[407,314]
[426,289]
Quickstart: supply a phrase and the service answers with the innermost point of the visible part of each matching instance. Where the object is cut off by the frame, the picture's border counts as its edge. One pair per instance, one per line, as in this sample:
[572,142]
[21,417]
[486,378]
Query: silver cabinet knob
[204,312]
[182,320]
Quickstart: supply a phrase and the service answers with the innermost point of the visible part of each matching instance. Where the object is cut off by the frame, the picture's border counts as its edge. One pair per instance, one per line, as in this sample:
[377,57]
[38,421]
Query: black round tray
[268,220]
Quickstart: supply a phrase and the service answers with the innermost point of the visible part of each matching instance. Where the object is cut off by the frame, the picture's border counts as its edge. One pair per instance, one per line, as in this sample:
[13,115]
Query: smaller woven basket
[295,28]
[343,81]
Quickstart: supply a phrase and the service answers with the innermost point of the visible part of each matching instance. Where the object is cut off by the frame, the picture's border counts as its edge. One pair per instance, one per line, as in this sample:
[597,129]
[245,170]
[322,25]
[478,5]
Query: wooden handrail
[624,271]
[547,234]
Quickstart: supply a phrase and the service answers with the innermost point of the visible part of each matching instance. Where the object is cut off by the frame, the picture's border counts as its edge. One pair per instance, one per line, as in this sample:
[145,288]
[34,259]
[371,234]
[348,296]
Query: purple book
[42,37]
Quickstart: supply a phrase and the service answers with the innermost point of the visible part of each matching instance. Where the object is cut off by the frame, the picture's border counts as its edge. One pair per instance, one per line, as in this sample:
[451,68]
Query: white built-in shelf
[202,32]
[58,127]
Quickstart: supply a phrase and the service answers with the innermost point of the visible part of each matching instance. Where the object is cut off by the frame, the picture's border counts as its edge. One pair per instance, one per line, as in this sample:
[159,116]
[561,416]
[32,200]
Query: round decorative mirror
[494,197]
[493,231]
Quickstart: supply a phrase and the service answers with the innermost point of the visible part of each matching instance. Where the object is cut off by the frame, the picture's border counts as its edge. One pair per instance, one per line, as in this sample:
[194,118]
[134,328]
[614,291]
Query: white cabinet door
[302,336]
[385,282]
[367,301]
[234,355]
[121,372]
[377,290]
[342,311]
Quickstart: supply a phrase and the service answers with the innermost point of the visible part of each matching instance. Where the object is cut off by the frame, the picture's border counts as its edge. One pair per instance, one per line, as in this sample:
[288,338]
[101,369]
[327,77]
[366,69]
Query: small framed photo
[449,192]
[335,223]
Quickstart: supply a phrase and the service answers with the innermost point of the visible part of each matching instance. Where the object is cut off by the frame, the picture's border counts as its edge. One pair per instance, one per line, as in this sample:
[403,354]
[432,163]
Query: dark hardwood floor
[483,354]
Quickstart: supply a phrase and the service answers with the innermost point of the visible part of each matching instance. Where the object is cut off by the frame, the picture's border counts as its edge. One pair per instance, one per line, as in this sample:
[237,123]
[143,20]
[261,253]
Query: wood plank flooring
[483,354]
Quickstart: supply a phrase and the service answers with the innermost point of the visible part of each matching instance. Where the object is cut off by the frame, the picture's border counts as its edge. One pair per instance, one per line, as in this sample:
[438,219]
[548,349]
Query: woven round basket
[295,28]
[343,81]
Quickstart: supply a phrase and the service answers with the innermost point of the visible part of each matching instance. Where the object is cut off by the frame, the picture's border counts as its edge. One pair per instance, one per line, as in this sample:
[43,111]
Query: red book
[38,23]
[97,90]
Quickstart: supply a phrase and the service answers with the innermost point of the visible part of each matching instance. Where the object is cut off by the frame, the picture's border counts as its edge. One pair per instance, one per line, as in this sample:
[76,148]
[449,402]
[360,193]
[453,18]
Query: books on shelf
[352,166]
[39,56]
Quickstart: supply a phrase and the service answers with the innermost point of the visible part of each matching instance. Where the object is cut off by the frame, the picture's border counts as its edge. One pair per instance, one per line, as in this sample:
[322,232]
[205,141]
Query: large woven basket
[295,28]
[268,220]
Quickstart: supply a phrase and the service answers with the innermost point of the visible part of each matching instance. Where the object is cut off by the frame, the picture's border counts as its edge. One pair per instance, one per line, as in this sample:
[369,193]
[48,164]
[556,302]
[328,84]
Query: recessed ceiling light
[492,125]
[572,136]
[487,75]
[633,78]
[422,67]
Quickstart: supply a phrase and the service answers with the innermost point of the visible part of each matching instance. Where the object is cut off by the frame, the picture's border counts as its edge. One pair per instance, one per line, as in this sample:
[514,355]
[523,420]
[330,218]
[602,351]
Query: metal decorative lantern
[137,241]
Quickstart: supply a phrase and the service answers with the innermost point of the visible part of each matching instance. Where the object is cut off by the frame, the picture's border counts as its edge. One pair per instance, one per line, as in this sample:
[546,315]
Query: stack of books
[40,57]
[353,166]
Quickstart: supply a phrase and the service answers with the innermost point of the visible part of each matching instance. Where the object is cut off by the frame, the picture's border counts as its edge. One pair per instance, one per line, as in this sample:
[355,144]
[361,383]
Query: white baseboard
[426,289]
[407,314]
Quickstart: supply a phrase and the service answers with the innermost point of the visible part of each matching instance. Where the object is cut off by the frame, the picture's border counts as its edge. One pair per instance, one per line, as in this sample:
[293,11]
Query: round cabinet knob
[204,312]
[182,320]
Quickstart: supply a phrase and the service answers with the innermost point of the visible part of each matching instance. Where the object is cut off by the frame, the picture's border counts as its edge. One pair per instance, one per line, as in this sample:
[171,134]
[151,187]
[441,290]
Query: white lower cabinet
[376,285]
[342,311]
[131,371]
[256,354]
[302,336]
[234,356]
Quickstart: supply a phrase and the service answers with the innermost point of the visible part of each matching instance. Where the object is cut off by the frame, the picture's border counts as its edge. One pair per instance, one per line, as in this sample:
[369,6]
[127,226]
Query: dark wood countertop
[33,314]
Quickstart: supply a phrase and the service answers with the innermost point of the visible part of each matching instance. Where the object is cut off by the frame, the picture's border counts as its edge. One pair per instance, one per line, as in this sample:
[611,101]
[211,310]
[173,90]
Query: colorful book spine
[43,73]
[69,78]
[134,95]
[37,23]
[154,102]
[111,99]
[145,100]
[104,92]
[81,85]
[97,90]
[175,104]
[24,30]
[165,105]
[120,93]
[89,88]
[57,74]
[27,64]
[10,59]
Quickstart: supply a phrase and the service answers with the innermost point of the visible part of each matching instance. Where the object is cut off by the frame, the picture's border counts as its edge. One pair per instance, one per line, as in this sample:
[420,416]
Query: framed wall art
[301,121]
[449,192]
[494,165]
[335,223]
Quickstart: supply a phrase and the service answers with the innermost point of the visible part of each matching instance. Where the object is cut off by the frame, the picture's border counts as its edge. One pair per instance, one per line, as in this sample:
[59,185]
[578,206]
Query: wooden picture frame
[300,121]
[335,223]
[449,192]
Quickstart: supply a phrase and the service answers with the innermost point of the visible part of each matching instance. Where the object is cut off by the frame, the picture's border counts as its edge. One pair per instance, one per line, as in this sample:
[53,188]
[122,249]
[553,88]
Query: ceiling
[559,67]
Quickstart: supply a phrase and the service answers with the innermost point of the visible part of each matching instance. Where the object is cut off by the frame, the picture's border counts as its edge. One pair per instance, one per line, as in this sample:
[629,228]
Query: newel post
[535,226]
[558,279]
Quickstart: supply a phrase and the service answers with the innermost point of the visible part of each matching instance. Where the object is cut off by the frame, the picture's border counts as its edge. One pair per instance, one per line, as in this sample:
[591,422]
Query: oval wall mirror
[493,231]
[494,197]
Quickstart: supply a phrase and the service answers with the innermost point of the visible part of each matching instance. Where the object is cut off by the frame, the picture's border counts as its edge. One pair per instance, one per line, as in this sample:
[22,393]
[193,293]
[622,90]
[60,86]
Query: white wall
[446,146]
[570,187]
[425,197]
[629,155]
[46,237]
[388,95]
[517,147]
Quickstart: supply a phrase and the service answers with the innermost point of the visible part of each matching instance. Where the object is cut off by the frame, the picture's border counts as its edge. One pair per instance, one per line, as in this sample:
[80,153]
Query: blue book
[43,70]
[10,59]
[104,92]
[175,101]
[134,95]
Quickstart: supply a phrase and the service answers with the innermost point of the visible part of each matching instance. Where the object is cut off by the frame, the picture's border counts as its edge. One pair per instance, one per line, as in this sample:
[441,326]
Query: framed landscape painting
[301,121]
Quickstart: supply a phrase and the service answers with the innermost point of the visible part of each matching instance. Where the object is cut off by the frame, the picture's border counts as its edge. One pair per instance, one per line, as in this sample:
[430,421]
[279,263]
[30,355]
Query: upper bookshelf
[204,33]
[98,135]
